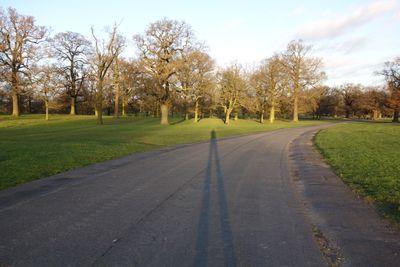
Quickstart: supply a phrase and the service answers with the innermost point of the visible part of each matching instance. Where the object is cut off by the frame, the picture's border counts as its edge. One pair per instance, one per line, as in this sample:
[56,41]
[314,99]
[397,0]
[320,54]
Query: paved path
[243,201]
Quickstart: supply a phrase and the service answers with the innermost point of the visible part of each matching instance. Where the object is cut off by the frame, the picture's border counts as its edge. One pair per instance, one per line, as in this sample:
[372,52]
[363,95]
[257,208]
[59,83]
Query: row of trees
[172,73]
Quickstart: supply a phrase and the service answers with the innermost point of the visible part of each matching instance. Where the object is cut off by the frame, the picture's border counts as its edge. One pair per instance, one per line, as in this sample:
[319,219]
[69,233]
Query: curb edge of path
[348,231]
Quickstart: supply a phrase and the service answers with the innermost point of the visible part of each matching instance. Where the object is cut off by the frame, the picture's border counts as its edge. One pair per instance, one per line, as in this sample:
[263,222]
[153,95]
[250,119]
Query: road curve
[233,202]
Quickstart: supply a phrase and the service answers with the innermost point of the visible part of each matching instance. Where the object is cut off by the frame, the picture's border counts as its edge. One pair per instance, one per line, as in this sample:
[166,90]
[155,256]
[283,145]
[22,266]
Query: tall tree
[161,50]
[105,52]
[196,78]
[71,50]
[46,83]
[268,82]
[302,70]
[130,81]
[351,98]
[391,72]
[117,78]
[232,85]
[19,43]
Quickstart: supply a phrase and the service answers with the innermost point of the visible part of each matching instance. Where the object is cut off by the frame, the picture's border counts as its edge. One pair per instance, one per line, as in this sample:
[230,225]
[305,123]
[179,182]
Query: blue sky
[353,37]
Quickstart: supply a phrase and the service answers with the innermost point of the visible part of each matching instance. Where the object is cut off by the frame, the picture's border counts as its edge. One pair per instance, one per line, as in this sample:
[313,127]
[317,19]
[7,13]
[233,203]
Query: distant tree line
[171,74]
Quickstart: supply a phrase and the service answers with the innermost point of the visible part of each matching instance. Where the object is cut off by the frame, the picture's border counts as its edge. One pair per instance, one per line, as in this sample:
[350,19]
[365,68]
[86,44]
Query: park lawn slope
[32,148]
[366,156]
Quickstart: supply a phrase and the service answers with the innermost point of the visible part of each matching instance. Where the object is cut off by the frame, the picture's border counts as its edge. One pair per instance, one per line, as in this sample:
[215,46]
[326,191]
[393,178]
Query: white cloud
[300,10]
[335,26]
[345,47]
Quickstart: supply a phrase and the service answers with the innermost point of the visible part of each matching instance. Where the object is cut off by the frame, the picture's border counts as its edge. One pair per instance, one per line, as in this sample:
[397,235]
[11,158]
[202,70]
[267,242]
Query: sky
[353,37]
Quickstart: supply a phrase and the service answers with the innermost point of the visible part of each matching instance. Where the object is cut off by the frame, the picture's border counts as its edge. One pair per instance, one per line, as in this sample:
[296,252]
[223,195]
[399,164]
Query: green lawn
[367,157]
[32,148]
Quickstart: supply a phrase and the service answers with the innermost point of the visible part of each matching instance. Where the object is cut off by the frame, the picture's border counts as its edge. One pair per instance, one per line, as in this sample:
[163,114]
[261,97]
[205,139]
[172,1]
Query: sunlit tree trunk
[72,103]
[164,113]
[116,88]
[123,106]
[227,116]
[272,114]
[14,94]
[236,116]
[295,106]
[374,114]
[196,111]
[186,116]
[46,106]
[262,117]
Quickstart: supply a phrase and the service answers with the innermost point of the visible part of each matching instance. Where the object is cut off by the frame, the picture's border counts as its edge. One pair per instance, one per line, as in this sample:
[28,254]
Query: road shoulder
[348,230]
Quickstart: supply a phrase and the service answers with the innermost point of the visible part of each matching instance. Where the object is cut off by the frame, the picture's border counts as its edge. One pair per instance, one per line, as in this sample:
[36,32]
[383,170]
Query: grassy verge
[367,157]
[32,148]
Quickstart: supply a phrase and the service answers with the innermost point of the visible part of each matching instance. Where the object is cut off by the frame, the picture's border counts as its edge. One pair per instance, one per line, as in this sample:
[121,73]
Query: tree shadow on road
[203,232]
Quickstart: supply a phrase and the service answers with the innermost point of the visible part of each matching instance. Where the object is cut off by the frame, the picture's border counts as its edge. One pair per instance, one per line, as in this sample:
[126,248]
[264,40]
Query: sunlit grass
[367,155]
[32,148]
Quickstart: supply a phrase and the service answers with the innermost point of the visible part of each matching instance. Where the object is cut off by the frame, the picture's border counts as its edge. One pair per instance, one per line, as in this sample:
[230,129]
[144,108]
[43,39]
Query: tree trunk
[14,94]
[15,104]
[99,102]
[374,115]
[196,111]
[236,116]
[116,88]
[186,116]
[46,106]
[73,101]
[295,109]
[262,117]
[396,115]
[123,107]
[164,113]
[227,116]
[272,114]
[99,110]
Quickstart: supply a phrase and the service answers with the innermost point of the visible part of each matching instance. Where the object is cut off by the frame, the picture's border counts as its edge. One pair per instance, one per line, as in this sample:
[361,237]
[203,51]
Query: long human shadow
[202,242]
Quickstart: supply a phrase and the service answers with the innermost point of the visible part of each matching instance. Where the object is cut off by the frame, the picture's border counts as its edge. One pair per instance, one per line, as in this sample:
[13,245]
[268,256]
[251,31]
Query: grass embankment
[367,157]
[32,148]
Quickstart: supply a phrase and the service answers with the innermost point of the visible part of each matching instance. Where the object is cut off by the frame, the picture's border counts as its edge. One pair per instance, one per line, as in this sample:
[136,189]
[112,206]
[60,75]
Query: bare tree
[391,72]
[161,49]
[232,86]
[130,81]
[19,43]
[104,55]
[351,98]
[47,85]
[71,50]
[302,70]
[117,82]
[196,78]
[268,82]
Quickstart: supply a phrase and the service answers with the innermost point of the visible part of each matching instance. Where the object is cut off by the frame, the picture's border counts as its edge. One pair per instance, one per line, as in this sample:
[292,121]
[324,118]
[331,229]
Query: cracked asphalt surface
[242,201]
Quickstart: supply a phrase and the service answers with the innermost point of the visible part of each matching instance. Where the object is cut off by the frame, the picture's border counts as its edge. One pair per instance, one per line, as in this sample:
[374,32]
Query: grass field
[367,156]
[32,148]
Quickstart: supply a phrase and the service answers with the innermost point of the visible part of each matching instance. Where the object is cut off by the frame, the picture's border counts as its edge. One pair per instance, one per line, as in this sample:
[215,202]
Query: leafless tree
[105,52]
[161,49]
[47,84]
[268,82]
[302,70]
[391,72]
[71,50]
[232,86]
[196,78]
[20,38]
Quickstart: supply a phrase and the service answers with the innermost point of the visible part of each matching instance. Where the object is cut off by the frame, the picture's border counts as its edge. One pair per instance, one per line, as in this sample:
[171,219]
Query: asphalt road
[229,202]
